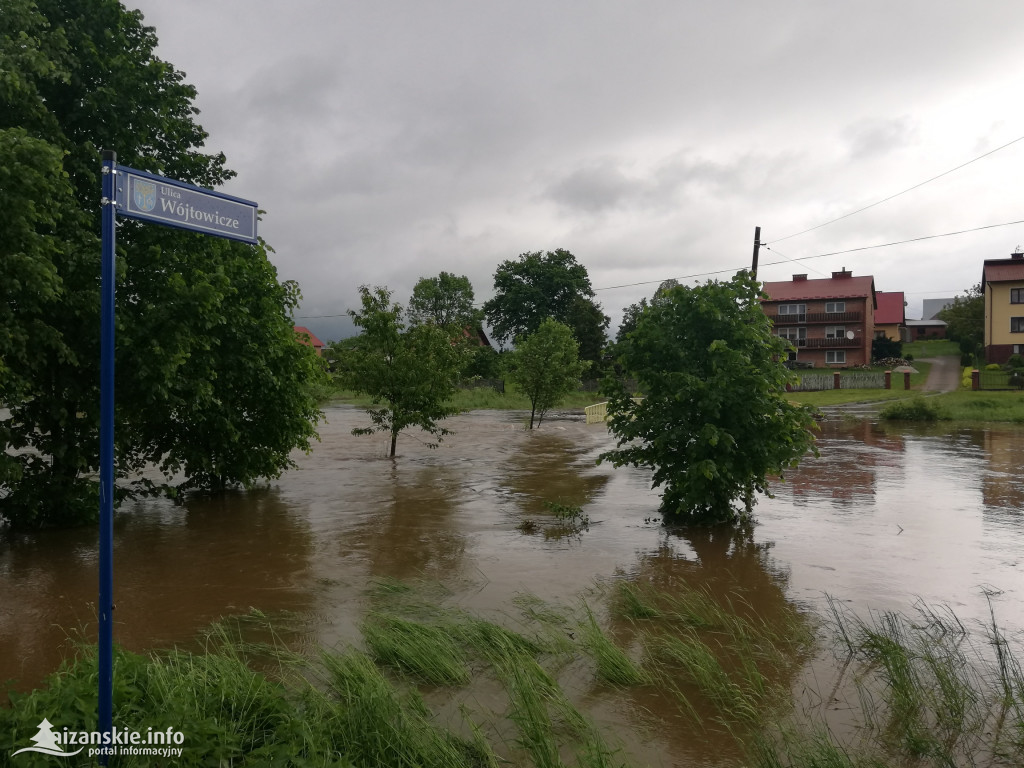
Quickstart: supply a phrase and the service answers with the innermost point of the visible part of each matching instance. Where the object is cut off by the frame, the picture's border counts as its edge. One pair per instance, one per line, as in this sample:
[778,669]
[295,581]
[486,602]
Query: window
[835,331]
[1017,325]
[832,307]
[1017,295]
[836,356]
[795,335]
[793,311]
[880,335]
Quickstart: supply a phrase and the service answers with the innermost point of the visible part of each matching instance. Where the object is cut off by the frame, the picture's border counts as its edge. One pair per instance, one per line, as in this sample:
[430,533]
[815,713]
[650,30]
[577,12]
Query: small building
[1003,283]
[921,330]
[830,322]
[309,338]
[891,315]
[930,308]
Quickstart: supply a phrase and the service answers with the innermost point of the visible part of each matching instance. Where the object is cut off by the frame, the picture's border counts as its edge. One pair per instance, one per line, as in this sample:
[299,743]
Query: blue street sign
[173,203]
[140,195]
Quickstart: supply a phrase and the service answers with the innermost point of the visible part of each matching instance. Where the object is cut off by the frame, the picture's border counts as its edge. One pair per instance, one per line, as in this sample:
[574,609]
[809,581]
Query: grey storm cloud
[391,141]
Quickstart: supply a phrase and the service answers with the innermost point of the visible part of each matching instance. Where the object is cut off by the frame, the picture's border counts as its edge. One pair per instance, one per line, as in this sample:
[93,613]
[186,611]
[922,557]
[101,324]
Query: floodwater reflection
[882,517]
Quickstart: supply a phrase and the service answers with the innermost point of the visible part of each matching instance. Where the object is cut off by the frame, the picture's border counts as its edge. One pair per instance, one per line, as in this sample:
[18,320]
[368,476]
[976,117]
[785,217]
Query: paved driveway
[944,375]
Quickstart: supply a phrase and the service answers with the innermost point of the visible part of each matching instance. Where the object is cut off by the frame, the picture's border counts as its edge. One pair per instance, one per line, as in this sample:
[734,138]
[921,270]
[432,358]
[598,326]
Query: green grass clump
[426,652]
[383,727]
[613,665]
[915,409]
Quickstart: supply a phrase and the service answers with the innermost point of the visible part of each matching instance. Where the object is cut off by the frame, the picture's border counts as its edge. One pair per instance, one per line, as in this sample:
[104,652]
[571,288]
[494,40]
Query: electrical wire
[816,256]
[908,189]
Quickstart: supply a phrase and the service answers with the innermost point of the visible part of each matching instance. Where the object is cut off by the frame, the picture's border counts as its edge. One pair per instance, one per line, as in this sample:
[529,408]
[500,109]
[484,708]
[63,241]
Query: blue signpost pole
[105,642]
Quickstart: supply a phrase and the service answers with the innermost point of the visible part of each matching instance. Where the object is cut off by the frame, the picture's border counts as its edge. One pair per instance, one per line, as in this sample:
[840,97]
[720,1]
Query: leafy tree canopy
[211,385]
[542,285]
[965,318]
[411,372]
[631,314]
[714,423]
[545,366]
[445,300]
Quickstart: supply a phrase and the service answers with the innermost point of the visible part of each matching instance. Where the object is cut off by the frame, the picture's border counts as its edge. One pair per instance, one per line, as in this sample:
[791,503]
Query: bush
[966,359]
[916,409]
[1015,361]
[993,367]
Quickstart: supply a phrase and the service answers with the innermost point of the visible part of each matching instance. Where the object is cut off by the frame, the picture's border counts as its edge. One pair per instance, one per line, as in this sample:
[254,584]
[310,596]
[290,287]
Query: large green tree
[714,423]
[210,382]
[411,372]
[545,366]
[445,300]
[965,319]
[539,285]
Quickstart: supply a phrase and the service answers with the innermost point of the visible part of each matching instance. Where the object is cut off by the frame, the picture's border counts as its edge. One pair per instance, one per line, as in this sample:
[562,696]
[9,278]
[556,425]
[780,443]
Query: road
[944,375]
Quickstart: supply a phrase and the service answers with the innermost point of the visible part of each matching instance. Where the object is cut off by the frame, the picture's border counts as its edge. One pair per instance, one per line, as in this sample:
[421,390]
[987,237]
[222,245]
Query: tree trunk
[394,440]
[533,410]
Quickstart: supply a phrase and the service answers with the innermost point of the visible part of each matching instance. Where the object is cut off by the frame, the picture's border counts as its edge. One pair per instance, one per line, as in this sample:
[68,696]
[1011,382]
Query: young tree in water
[714,422]
[411,372]
[545,366]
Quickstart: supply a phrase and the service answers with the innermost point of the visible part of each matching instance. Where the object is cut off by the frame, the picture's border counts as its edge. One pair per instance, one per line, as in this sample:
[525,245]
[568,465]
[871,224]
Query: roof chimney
[1017,254]
[798,278]
[844,273]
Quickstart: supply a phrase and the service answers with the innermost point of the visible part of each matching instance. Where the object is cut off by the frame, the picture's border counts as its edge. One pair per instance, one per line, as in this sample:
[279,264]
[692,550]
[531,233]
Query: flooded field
[884,518]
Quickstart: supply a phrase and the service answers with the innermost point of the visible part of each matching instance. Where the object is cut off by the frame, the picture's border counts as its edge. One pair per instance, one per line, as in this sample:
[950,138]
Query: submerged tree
[211,384]
[545,366]
[713,423]
[412,372]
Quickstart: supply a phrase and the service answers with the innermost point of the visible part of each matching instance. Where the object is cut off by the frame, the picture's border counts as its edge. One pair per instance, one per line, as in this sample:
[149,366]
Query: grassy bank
[917,690]
[961,406]
[933,348]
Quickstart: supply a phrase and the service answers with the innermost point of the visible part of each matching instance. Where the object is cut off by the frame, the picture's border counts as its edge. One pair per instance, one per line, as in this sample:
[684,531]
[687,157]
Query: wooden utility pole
[757,247]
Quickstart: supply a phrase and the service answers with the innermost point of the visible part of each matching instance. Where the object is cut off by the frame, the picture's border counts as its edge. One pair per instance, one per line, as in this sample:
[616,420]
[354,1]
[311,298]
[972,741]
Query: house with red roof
[1003,283]
[829,322]
[890,316]
[309,338]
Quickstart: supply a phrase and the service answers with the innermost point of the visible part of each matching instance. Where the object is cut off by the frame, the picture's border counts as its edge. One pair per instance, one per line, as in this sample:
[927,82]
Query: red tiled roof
[1003,270]
[824,288]
[306,336]
[891,309]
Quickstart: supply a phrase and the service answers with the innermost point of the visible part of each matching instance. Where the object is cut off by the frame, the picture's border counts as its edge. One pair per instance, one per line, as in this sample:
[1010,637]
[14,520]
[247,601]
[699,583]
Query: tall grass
[918,690]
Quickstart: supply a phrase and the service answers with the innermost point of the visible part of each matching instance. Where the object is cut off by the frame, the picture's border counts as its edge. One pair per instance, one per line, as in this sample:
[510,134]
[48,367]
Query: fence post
[888,379]
[975,379]
[906,379]
[836,384]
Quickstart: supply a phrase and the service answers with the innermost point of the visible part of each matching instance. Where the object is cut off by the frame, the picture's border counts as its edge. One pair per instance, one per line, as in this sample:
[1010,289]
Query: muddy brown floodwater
[884,517]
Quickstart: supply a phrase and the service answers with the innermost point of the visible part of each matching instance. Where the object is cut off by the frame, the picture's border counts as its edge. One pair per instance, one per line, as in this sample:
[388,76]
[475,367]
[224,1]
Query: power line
[816,256]
[908,189]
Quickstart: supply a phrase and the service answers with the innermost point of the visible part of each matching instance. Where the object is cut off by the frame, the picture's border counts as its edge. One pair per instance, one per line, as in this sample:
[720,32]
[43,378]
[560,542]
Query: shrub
[993,367]
[1015,361]
[916,409]
[966,359]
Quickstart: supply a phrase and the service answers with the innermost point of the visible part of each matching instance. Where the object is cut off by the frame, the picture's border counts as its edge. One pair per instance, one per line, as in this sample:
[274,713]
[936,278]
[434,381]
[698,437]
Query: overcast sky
[389,141]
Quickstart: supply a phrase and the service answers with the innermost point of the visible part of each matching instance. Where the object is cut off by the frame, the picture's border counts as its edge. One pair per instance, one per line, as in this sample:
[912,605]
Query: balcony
[838,343]
[837,318]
